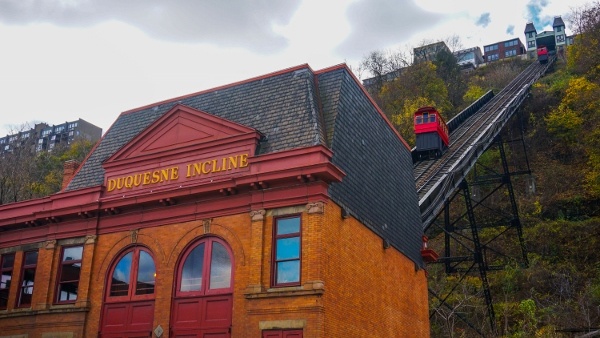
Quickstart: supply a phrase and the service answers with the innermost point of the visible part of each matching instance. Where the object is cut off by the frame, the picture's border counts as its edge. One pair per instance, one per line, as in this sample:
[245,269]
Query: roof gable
[180,129]
[184,147]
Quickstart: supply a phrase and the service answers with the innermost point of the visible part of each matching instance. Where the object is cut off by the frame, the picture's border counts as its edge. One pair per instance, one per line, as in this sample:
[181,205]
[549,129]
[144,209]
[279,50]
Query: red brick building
[503,50]
[280,206]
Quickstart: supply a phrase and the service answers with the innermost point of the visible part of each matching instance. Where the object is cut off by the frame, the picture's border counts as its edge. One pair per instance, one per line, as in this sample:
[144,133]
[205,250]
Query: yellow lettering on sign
[120,183]
[147,178]
[233,163]
[137,180]
[214,167]
[112,184]
[161,175]
[204,170]
[129,182]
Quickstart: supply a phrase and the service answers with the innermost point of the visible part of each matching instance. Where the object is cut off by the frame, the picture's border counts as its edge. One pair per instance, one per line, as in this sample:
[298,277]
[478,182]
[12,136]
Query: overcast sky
[61,60]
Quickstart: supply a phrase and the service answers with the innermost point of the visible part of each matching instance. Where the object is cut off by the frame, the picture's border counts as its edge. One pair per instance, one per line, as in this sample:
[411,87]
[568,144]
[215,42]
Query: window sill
[312,288]
[19,312]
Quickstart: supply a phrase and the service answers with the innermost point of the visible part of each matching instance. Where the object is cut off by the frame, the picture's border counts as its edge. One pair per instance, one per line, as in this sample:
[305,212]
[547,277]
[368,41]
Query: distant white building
[469,58]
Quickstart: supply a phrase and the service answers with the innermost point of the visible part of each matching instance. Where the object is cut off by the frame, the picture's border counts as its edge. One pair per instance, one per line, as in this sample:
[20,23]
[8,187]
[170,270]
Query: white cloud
[62,59]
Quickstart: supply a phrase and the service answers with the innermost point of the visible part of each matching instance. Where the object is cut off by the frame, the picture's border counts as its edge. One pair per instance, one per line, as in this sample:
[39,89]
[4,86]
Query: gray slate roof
[300,108]
[379,187]
[282,107]
[530,28]
[558,21]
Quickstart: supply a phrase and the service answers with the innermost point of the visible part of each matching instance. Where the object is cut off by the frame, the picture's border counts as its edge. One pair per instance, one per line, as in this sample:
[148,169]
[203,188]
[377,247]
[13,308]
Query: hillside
[555,290]
[558,293]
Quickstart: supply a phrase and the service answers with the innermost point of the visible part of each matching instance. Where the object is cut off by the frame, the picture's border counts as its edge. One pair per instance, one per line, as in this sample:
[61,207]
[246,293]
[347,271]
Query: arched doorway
[203,295]
[128,309]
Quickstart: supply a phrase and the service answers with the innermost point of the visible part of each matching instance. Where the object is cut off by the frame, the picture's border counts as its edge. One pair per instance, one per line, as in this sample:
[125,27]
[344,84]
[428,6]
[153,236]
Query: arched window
[206,269]
[129,301]
[133,276]
[203,297]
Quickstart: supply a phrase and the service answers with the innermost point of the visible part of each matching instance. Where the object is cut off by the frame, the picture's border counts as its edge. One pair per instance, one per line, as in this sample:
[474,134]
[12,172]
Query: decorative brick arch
[118,246]
[201,230]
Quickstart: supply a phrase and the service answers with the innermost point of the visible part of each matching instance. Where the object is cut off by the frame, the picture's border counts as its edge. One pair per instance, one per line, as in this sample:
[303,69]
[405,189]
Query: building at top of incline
[280,206]
[555,40]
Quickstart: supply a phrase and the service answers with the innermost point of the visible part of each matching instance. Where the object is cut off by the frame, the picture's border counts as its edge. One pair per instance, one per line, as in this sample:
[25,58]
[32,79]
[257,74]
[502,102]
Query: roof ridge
[225,86]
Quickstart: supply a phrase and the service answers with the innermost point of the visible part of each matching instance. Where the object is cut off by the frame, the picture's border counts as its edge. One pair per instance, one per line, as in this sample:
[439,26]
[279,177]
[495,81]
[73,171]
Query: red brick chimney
[69,169]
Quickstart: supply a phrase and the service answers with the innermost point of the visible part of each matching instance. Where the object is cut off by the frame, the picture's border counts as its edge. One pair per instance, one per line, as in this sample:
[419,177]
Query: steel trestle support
[463,248]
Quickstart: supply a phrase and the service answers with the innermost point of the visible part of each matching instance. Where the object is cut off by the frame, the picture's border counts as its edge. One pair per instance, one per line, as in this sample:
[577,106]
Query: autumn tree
[583,57]
[15,165]
[382,63]
[448,70]
[27,174]
[473,93]
[577,118]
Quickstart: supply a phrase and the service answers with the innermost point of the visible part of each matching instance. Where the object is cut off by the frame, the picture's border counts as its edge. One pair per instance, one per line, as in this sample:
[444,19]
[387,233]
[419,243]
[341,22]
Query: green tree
[528,323]
[473,93]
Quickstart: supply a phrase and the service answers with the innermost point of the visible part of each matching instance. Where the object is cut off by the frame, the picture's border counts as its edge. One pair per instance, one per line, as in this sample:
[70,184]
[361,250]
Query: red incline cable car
[542,54]
[431,132]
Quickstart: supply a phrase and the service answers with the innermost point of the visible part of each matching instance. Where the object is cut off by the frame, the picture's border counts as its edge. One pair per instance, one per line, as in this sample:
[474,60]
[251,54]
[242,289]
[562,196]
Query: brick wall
[350,285]
[370,291]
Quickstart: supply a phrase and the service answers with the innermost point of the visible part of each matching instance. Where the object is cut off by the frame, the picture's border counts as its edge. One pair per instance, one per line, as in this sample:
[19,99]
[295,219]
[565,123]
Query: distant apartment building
[43,137]
[377,81]
[555,40]
[429,52]
[503,49]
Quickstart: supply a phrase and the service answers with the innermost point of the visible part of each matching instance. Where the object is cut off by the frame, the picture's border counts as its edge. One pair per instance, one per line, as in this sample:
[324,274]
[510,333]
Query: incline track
[437,179]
